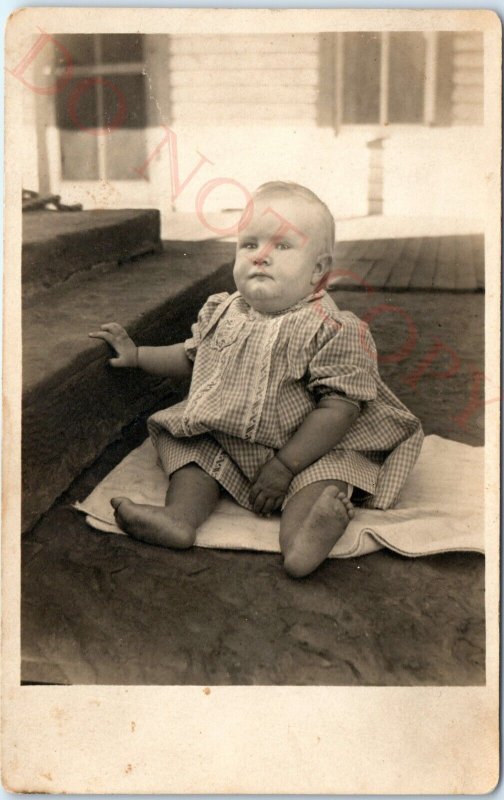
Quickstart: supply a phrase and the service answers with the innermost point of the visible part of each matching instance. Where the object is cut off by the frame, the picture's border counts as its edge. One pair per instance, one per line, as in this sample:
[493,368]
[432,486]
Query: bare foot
[152,524]
[324,524]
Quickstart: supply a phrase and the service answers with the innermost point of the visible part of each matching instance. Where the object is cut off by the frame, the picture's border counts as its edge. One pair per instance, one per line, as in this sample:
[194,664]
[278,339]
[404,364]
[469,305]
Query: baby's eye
[248,246]
[283,246]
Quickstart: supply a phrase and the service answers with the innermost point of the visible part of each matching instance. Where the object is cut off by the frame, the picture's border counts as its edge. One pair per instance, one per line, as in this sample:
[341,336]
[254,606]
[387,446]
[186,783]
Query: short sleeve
[345,364]
[204,317]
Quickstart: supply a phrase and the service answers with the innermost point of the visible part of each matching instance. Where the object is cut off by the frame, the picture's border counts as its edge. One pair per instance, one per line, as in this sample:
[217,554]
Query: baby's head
[285,246]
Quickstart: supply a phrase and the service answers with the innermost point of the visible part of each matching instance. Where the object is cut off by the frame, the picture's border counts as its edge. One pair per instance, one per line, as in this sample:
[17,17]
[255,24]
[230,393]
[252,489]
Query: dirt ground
[104,609]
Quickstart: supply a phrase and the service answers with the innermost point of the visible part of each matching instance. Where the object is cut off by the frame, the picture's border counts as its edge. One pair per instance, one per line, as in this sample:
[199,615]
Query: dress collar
[310,298]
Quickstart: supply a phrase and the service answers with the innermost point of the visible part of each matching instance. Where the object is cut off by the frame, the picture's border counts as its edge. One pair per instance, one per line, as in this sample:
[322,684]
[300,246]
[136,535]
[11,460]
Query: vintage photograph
[338,156]
[253,265]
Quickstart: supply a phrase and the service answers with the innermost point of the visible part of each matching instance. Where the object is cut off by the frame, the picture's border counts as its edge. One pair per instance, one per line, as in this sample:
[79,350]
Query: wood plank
[463,42]
[357,249]
[326,83]
[423,276]
[205,61]
[255,44]
[378,276]
[404,267]
[468,93]
[375,248]
[478,251]
[274,93]
[351,274]
[243,78]
[465,60]
[343,248]
[465,278]
[242,112]
[446,263]
[357,259]
[465,112]
[469,77]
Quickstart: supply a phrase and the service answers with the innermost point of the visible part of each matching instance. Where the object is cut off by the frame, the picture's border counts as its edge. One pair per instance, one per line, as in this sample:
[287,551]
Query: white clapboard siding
[244,112]
[241,78]
[468,59]
[467,42]
[467,113]
[470,77]
[248,94]
[253,44]
[204,61]
[463,93]
[226,79]
[467,78]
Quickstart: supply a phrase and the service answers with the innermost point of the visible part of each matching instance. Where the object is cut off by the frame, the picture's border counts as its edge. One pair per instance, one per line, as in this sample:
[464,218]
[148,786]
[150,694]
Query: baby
[286,409]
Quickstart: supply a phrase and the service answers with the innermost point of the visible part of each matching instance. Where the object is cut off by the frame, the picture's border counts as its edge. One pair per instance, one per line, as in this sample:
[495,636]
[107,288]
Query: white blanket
[440,508]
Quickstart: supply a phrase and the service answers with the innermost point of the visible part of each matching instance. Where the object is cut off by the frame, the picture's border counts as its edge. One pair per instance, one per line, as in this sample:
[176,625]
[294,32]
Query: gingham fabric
[255,379]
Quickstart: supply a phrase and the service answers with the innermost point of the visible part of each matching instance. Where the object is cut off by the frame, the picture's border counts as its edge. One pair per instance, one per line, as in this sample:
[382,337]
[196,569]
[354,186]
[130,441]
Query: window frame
[382,127]
[99,69]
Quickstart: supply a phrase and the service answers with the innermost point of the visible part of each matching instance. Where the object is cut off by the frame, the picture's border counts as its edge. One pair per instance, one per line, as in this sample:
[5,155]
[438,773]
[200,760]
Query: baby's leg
[312,522]
[191,497]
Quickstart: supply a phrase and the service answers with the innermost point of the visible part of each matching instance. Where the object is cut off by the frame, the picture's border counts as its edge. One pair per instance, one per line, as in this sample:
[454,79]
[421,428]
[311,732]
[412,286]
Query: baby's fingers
[107,337]
[114,328]
[278,503]
[269,506]
[258,503]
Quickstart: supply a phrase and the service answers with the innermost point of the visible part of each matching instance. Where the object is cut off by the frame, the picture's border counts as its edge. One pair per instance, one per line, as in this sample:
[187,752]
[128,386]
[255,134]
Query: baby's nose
[261,260]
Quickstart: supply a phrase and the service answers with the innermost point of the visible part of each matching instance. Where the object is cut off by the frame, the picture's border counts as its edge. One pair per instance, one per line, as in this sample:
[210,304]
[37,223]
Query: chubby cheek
[241,267]
[238,271]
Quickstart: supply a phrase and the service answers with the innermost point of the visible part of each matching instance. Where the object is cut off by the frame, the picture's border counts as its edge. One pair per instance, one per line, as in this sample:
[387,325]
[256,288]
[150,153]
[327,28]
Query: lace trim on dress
[261,385]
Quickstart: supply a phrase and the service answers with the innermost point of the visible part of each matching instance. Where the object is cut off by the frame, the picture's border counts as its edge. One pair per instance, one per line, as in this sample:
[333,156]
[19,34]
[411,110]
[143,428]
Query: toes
[343,497]
[349,507]
[347,504]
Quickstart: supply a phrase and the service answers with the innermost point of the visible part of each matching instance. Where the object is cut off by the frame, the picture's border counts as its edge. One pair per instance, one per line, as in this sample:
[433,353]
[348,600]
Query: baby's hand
[116,336]
[269,487]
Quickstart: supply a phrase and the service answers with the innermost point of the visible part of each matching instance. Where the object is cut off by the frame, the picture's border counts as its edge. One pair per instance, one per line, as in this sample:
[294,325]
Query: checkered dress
[255,379]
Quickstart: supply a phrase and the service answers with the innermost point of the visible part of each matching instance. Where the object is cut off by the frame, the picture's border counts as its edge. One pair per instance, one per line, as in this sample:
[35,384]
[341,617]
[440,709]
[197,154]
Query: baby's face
[272,271]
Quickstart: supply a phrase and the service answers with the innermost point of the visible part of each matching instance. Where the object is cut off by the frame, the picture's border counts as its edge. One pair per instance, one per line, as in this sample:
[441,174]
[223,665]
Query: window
[107,92]
[385,78]
[403,78]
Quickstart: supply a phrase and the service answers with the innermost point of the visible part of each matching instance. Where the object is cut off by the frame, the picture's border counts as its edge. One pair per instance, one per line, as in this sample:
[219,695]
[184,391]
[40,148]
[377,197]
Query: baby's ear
[323,265]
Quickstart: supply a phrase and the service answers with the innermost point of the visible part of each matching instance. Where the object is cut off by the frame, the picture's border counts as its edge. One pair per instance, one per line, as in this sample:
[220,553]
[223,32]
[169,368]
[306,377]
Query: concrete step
[74,403]
[57,245]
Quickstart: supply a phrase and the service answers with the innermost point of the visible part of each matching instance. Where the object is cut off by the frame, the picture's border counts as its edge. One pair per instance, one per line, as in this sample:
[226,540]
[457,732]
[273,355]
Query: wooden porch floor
[423,263]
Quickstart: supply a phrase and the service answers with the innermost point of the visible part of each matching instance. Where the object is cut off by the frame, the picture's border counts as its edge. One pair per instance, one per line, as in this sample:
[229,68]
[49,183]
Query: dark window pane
[79,156]
[406,77]
[121,47]
[124,103]
[79,45]
[361,78]
[125,150]
[76,105]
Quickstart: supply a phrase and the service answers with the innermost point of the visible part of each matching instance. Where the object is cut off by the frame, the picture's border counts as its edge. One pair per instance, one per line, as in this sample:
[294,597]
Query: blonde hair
[295,189]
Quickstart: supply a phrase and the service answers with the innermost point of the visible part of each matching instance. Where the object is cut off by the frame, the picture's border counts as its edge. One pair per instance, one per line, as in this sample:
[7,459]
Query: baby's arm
[322,429]
[170,361]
